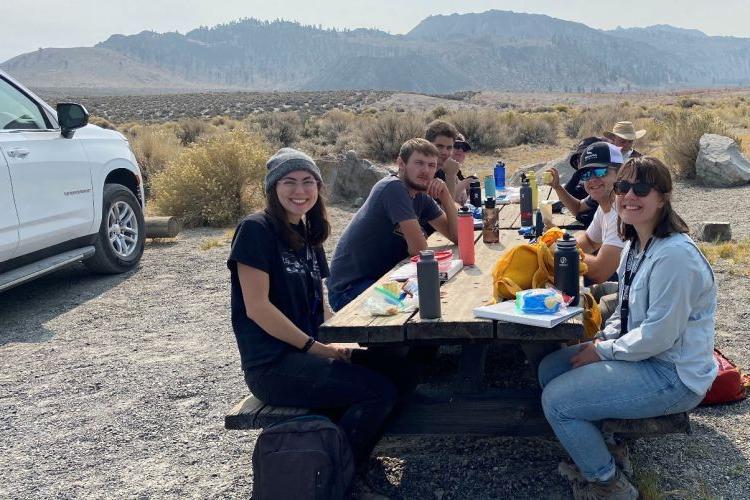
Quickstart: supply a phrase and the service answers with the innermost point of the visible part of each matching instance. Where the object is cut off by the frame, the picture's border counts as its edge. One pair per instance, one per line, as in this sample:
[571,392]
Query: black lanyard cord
[631,267]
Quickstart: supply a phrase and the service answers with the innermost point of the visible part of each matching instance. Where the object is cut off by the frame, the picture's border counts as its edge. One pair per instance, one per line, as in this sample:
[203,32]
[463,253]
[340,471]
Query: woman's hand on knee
[587,354]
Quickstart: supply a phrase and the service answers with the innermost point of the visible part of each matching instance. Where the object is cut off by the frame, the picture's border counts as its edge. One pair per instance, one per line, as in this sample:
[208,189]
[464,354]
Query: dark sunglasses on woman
[640,189]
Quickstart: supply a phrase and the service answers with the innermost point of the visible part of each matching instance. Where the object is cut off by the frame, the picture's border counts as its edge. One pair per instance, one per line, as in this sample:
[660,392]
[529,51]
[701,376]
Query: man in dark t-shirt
[387,228]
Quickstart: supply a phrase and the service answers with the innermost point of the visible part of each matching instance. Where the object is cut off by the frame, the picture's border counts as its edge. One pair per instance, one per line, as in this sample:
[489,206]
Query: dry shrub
[384,134]
[281,129]
[214,181]
[482,129]
[488,130]
[190,130]
[589,122]
[682,133]
[154,147]
[438,112]
[335,123]
[101,122]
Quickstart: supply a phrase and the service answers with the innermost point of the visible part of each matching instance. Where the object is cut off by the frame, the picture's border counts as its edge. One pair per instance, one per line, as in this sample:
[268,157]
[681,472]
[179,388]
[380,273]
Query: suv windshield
[18,111]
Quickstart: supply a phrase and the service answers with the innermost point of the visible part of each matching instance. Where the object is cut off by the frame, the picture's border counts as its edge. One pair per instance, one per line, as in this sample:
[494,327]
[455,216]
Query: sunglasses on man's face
[639,188]
[594,172]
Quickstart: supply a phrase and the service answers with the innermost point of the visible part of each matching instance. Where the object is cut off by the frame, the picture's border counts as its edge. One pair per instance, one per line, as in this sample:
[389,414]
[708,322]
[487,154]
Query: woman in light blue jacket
[655,354]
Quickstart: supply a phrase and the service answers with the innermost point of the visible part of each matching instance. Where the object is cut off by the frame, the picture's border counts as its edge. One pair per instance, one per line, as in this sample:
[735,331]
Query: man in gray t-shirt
[387,228]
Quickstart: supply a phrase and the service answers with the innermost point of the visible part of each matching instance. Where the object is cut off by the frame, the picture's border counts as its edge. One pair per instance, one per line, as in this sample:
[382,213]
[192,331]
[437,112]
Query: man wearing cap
[460,148]
[583,211]
[623,136]
[600,243]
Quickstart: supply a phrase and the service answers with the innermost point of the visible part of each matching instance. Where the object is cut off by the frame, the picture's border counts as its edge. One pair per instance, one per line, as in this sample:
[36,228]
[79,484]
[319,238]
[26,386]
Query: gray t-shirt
[372,243]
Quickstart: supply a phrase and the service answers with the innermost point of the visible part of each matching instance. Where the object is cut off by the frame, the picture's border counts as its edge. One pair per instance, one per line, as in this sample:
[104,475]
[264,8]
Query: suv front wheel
[119,244]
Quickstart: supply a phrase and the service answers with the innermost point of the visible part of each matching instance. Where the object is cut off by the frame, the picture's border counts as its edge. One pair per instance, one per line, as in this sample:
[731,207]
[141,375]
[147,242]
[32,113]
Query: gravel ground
[117,387]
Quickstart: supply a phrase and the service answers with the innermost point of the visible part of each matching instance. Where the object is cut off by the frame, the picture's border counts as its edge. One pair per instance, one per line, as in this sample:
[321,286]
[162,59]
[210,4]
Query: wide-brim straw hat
[625,130]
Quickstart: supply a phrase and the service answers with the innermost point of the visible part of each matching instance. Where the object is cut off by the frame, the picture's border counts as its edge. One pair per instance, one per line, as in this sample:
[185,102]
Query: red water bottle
[466,236]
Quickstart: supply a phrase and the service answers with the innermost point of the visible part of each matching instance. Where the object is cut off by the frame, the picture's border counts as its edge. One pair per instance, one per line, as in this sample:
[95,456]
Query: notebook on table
[506,311]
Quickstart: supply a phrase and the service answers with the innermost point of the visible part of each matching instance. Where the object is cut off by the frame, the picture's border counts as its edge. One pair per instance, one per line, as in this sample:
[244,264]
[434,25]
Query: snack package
[388,300]
[539,301]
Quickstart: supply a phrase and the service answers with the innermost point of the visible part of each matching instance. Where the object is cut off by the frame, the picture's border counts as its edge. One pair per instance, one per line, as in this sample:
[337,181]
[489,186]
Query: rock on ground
[720,162]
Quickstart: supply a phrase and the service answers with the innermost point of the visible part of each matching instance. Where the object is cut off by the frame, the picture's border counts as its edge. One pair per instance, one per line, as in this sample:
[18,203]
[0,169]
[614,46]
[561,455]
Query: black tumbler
[566,268]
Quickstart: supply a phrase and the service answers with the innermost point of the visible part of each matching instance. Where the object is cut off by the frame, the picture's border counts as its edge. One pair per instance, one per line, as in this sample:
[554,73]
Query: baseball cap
[601,154]
[460,142]
[575,158]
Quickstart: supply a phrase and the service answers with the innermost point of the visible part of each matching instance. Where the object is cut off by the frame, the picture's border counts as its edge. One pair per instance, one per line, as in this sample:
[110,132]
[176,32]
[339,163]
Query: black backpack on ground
[302,458]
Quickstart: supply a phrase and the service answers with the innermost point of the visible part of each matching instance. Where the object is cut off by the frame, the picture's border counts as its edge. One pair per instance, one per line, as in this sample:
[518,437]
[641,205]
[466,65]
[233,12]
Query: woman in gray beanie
[277,264]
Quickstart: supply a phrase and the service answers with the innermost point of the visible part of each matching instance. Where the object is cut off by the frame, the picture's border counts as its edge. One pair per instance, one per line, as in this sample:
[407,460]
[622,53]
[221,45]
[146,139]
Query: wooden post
[162,227]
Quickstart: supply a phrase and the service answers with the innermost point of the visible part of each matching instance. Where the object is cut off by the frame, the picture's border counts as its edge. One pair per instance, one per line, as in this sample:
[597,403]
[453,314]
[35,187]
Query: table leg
[471,368]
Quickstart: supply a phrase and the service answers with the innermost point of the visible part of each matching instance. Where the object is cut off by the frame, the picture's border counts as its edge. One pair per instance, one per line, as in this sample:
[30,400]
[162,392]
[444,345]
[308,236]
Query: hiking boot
[617,488]
[619,450]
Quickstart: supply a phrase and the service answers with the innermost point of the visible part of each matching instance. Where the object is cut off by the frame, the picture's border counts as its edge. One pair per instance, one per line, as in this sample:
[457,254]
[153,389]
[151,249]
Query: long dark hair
[652,171]
[317,228]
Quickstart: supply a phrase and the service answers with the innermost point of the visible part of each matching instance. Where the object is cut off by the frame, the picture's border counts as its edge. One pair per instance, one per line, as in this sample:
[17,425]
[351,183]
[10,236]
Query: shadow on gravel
[25,309]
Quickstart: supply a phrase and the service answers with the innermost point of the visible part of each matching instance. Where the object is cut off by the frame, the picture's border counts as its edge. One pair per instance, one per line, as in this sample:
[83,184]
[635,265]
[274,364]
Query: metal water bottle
[499,176]
[428,284]
[527,209]
[566,268]
[534,190]
[466,236]
[475,193]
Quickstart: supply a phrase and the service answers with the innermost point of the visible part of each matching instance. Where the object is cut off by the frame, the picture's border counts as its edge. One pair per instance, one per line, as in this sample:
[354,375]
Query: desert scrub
[593,121]
[682,133]
[154,147]
[281,128]
[190,130]
[384,134]
[214,181]
[735,254]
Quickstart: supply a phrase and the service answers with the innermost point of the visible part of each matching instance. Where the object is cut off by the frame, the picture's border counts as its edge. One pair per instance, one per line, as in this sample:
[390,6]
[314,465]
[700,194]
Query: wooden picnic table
[467,406]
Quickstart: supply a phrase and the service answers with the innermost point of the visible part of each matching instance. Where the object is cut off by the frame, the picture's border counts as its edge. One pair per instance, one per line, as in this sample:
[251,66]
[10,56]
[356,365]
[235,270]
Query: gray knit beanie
[288,160]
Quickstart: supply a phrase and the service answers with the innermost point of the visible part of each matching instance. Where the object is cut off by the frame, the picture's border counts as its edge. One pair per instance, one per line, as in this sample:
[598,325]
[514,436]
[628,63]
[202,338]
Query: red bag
[730,384]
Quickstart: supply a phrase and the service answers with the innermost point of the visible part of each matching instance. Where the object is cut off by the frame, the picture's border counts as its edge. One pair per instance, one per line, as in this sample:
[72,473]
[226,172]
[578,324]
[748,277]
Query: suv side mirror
[71,116]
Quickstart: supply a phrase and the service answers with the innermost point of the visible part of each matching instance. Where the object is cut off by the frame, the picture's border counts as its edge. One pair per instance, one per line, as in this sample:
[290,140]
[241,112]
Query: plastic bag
[539,301]
[390,299]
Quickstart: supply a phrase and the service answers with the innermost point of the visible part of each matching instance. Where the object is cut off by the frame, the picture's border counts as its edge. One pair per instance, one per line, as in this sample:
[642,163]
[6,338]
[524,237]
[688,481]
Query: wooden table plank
[354,323]
[468,289]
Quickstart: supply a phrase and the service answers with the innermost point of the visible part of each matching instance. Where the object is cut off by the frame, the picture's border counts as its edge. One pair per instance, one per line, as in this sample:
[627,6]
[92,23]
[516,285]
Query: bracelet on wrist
[308,344]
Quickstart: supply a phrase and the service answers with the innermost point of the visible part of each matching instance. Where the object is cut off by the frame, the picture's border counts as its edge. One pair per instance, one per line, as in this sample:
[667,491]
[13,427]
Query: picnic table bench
[467,407]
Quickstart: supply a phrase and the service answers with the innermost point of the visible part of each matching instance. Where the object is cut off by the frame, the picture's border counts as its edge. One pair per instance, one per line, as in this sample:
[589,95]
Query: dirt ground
[115,387]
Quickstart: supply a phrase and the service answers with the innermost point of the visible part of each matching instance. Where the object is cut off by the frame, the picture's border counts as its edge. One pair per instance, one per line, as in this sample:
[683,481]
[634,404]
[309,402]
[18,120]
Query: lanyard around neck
[631,267]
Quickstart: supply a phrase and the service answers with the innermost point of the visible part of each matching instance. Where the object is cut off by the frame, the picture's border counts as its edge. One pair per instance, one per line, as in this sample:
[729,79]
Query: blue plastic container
[499,177]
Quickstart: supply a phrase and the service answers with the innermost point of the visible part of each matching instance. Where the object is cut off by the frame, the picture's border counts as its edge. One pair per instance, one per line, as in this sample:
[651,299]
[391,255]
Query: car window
[18,111]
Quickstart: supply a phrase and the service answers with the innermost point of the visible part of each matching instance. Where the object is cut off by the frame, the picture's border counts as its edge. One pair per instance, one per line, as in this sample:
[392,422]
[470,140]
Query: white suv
[69,191]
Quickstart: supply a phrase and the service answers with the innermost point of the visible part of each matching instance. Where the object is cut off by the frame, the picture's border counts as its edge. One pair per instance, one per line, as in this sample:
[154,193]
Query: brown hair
[439,127]
[652,171]
[420,145]
[317,227]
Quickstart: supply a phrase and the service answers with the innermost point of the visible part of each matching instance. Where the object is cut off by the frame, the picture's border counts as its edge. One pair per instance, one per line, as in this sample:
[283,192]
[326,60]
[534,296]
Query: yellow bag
[532,265]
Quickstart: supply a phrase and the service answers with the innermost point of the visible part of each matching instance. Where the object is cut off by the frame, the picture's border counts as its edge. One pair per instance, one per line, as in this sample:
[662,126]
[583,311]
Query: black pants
[360,394]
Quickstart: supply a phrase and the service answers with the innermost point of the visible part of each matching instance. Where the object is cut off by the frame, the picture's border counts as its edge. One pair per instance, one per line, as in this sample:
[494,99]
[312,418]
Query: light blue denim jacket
[672,312]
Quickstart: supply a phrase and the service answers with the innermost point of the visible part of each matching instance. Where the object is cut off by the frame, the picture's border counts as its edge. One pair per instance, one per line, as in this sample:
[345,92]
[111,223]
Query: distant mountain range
[494,50]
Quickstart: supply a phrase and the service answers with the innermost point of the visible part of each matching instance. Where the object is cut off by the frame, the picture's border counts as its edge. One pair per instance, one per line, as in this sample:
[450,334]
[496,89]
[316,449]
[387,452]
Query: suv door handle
[18,153]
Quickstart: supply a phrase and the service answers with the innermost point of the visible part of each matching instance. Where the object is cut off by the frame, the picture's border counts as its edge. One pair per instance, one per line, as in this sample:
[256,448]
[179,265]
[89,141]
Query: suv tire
[122,232]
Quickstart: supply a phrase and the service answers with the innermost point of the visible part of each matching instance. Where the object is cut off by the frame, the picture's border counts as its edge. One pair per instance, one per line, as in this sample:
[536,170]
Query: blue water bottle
[499,176]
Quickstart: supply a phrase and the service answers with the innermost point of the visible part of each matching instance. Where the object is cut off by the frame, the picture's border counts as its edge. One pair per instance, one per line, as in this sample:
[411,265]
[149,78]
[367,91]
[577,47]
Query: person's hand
[555,183]
[461,195]
[587,354]
[331,351]
[439,190]
[451,167]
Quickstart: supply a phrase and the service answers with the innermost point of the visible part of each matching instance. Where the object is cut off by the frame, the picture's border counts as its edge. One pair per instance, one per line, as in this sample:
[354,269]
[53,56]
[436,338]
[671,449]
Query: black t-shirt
[295,287]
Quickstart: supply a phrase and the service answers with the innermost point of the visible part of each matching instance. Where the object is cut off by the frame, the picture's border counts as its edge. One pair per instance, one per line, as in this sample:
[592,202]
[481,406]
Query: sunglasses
[594,172]
[640,189]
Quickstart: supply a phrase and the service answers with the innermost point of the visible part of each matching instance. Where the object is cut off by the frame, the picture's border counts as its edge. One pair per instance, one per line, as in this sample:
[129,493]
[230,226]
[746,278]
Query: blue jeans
[576,400]
[338,300]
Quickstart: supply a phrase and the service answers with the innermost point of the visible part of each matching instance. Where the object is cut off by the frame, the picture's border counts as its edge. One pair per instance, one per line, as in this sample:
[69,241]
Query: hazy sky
[30,24]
